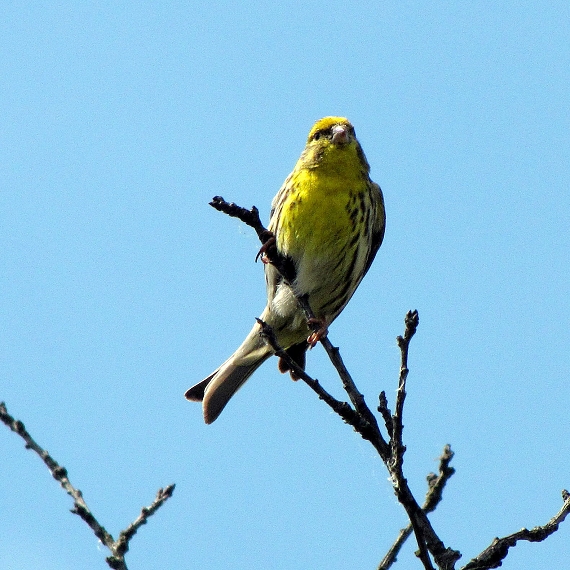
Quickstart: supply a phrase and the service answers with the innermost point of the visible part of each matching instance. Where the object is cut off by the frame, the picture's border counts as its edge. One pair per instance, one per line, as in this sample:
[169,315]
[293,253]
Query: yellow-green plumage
[328,218]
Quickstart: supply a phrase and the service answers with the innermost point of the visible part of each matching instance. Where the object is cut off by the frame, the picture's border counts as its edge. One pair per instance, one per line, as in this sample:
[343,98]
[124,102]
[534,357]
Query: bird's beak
[340,134]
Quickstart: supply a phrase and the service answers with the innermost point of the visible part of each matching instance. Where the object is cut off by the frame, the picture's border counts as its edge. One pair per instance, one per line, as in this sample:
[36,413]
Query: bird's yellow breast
[317,213]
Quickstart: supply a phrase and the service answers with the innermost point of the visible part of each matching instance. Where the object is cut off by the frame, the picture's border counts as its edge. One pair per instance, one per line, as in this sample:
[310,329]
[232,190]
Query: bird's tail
[216,390]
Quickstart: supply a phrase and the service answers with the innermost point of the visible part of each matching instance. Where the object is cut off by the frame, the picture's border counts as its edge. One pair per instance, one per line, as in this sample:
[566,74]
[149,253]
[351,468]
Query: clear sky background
[120,287]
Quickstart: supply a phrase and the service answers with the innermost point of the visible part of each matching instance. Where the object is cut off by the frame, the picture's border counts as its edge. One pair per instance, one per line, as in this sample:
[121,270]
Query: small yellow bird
[328,219]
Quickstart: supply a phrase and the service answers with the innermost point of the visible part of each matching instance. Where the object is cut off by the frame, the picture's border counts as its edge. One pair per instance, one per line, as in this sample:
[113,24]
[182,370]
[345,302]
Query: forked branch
[117,547]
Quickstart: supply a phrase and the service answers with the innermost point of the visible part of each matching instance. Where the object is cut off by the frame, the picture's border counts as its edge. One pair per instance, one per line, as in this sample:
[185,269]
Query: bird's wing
[378,225]
[272,276]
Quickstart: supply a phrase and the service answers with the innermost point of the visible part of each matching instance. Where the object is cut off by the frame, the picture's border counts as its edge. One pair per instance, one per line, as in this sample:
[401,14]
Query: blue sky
[120,287]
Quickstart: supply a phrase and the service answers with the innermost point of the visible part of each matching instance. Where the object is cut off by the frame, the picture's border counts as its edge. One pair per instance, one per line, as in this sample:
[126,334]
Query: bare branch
[343,409]
[385,413]
[426,537]
[59,474]
[364,422]
[368,426]
[398,449]
[436,483]
[494,554]
[370,429]
[249,217]
[392,554]
[121,546]
[268,249]
[118,547]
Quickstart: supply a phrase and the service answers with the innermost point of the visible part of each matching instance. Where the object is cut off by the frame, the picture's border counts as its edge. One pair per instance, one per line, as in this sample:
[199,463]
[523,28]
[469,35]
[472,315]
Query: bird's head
[332,143]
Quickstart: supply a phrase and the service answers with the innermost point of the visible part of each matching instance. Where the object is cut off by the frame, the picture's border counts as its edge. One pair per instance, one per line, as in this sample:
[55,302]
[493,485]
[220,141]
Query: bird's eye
[317,136]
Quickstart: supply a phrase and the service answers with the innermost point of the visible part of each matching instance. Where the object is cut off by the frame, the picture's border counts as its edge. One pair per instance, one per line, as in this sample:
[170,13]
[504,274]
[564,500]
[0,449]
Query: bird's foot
[268,250]
[319,333]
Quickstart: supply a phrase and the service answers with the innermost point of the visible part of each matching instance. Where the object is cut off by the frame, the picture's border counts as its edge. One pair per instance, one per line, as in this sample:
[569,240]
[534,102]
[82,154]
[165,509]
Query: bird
[328,221]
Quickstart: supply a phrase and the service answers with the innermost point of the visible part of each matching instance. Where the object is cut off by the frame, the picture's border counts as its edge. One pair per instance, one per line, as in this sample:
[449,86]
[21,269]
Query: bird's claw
[319,333]
[264,252]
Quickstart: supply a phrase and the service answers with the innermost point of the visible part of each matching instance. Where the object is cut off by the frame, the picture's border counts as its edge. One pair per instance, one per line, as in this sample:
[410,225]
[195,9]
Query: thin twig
[494,554]
[385,413]
[251,217]
[426,537]
[398,449]
[59,474]
[370,429]
[122,544]
[437,483]
[347,382]
[343,409]
[118,547]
